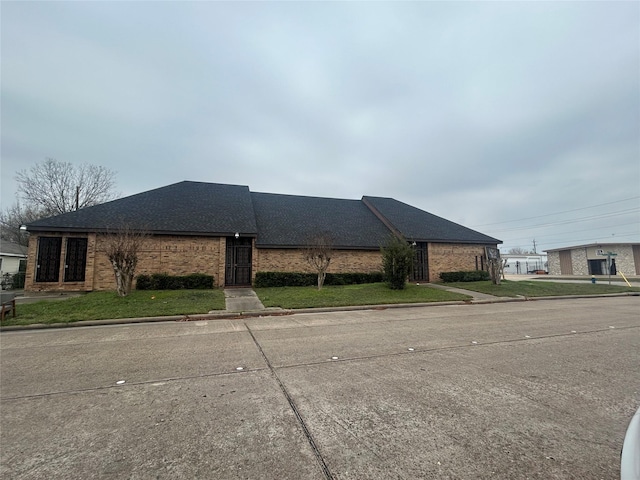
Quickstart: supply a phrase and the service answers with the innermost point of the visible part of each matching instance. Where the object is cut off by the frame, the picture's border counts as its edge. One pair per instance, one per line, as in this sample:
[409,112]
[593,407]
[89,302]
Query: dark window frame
[48,264]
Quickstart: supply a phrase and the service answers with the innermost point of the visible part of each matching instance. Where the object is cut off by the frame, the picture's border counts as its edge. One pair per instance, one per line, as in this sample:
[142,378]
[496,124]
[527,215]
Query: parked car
[630,458]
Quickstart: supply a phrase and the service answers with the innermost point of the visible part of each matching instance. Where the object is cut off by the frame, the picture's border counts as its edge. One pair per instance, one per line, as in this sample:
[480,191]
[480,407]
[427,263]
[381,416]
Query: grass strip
[347,295]
[540,288]
[108,305]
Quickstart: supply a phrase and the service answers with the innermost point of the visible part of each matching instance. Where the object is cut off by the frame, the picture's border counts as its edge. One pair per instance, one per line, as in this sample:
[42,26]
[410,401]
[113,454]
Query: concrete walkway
[242,300]
[476,296]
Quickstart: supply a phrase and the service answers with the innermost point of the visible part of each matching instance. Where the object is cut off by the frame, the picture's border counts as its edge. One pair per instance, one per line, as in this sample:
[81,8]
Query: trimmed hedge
[295,279]
[163,281]
[471,276]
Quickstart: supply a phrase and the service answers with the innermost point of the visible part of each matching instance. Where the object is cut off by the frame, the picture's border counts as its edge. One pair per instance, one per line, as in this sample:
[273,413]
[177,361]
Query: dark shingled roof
[420,226]
[197,208]
[291,221]
[181,208]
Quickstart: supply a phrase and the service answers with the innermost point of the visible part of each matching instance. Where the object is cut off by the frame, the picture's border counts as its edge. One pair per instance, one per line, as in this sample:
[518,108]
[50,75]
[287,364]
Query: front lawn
[340,296]
[539,288]
[106,305]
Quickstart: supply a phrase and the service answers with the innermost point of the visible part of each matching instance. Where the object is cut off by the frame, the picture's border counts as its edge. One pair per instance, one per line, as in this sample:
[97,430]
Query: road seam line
[296,412]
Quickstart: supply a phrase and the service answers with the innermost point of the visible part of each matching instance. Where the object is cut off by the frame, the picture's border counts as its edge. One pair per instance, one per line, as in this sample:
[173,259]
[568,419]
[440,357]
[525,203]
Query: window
[48,266]
[76,260]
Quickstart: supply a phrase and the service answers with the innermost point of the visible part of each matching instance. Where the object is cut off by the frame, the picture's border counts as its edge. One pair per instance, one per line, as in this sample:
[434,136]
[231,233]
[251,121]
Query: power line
[559,213]
[556,234]
[577,220]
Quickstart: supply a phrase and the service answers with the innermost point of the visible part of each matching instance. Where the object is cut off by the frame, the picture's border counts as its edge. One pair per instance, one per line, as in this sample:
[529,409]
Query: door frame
[238,270]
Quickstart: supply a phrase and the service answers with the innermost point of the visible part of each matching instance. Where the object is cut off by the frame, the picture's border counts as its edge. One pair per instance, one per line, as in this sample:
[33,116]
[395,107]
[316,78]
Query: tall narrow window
[48,266]
[76,260]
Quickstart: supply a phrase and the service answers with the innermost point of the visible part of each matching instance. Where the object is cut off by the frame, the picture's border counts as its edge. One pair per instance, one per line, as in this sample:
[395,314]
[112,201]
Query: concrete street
[541,389]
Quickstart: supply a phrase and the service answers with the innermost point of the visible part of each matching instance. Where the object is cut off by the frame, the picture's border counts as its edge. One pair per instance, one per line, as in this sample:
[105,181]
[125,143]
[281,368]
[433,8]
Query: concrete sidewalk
[239,300]
[475,296]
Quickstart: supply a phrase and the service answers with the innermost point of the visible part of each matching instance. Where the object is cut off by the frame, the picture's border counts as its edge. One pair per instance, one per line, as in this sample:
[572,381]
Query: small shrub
[469,276]
[397,262]
[163,281]
[17,282]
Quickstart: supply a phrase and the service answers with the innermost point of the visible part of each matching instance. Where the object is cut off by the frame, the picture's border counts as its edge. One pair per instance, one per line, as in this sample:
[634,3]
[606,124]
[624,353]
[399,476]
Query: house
[231,233]
[595,259]
[13,259]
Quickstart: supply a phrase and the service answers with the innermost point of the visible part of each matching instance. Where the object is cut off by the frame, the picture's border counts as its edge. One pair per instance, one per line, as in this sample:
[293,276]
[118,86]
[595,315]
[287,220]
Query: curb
[224,315]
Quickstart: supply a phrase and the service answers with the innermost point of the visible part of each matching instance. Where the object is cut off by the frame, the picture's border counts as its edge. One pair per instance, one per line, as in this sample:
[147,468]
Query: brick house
[231,233]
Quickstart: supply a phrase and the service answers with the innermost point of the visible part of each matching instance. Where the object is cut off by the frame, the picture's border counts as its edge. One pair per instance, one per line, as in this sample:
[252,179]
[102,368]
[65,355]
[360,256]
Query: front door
[420,271]
[238,262]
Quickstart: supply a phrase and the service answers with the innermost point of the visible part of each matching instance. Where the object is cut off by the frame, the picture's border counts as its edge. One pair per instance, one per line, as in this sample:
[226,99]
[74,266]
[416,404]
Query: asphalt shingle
[291,221]
[420,226]
[181,208]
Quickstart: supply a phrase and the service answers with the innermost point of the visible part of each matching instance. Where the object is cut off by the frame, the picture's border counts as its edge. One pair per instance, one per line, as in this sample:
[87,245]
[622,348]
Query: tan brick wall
[290,260]
[182,255]
[451,257]
[175,255]
[32,255]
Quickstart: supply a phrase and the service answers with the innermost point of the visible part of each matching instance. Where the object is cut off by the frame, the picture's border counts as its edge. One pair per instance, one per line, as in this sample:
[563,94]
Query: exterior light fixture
[23,227]
[237,235]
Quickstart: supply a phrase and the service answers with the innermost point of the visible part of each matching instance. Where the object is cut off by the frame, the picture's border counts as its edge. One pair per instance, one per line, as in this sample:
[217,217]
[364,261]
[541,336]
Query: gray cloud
[478,112]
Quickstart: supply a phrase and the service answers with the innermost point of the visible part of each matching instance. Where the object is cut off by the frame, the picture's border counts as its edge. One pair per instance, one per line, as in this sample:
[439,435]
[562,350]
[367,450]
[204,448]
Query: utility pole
[534,246]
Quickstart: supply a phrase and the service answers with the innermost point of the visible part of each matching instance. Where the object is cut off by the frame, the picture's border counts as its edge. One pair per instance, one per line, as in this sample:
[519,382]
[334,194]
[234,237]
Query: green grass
[540,288]
[339,296]
[106,305]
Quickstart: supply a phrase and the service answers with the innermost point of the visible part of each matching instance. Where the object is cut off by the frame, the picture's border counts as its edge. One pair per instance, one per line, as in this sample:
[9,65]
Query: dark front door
[420,271]
[238,262]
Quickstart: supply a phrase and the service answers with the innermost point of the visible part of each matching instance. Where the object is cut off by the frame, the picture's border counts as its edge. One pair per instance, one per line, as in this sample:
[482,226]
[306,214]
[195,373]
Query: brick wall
[175,255]
[291,260]
[32,256]
[451,257]
[182,255]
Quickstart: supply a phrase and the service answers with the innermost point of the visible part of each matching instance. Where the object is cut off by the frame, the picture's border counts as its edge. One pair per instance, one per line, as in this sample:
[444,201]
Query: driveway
[539,389]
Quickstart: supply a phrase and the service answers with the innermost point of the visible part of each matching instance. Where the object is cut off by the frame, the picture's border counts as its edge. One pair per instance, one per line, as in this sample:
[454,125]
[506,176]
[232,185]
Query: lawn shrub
[469,276]
[397,262]
[297,279]
[163,281]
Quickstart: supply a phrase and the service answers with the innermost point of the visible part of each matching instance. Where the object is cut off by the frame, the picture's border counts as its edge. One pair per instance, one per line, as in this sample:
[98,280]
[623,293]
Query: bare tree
[518,251]
[13,218]
[55,187]
[317,254]
[122,248]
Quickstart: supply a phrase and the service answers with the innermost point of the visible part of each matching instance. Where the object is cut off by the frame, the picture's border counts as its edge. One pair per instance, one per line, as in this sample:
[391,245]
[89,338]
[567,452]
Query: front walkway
[242,300]
[476,296]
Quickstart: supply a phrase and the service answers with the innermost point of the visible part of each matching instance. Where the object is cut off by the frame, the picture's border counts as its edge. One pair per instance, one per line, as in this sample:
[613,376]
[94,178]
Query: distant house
[593,259]
[13,259]
[232,233]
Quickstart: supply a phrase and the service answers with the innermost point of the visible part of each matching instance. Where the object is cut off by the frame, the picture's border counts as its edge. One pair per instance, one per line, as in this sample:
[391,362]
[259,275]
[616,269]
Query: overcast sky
[518,119]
